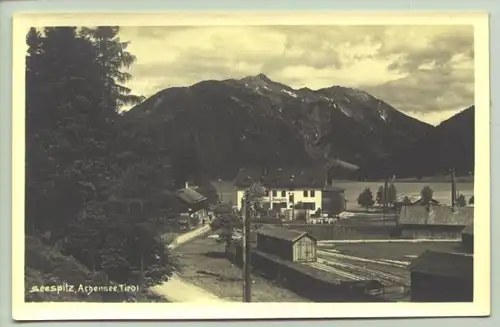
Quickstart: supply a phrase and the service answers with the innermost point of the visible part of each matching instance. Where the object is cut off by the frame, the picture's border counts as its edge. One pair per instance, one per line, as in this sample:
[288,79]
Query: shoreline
[461,180]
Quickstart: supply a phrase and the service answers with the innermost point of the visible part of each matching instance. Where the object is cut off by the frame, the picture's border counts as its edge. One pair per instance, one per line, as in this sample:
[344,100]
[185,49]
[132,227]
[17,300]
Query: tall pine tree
[73,94]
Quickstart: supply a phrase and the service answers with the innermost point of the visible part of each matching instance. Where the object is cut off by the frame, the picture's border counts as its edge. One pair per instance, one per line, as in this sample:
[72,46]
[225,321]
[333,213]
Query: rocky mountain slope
[255,121]
[456,136]
[450,145]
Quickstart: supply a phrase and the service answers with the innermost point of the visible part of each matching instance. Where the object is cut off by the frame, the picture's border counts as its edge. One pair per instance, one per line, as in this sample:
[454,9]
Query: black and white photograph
[223,161]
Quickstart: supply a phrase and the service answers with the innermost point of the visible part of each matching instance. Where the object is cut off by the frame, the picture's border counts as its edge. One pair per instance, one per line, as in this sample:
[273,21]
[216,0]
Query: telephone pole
[385,194]
[247,277]
[453,189]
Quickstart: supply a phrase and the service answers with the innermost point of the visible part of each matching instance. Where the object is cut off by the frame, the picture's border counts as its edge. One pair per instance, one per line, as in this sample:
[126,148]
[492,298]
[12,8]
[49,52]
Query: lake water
[442,191]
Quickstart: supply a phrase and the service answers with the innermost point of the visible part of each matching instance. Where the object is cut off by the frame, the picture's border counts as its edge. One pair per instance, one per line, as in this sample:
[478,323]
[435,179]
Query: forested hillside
[81,158]
[256,121]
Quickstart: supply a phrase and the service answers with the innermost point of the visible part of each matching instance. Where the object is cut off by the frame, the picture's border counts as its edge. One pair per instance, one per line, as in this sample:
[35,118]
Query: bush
[461,202]
[365,199]
[426,194]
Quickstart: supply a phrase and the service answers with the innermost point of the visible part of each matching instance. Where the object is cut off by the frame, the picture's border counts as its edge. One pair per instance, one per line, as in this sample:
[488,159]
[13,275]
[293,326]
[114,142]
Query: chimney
[187,184]
[453,191]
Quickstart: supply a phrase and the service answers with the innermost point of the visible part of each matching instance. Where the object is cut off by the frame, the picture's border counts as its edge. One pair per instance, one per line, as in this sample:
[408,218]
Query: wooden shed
[287,244]
[442,277]
[436,222]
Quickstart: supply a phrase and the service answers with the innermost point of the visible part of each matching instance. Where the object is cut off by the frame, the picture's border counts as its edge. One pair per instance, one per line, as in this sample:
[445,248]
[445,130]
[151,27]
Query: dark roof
[438,215]
[314,177]
[301,177]
[190,196]
[469,229]
[282,233]
[444,264]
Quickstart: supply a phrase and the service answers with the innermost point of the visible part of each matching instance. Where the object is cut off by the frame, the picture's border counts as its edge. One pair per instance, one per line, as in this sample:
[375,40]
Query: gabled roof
[282,233]
[444,264]
[313,177]
[438,215]
[190,196]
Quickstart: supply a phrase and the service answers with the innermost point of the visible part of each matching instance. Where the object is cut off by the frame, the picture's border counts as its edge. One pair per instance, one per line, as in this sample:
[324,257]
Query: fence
[340,232]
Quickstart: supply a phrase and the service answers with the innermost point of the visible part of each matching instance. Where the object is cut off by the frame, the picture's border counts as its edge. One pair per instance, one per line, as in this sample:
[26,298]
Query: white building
[309,198]
[290,191]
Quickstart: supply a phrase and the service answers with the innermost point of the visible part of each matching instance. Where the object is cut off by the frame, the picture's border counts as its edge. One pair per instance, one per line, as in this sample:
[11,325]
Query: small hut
[287,244]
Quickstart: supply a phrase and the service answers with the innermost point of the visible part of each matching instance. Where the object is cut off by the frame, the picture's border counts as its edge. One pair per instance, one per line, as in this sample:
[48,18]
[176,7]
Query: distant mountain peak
[261,77]
[254,119]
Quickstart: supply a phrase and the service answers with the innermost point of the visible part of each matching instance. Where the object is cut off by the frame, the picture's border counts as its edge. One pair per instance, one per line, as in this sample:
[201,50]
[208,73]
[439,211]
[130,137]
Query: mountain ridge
[450,145]
[255,120]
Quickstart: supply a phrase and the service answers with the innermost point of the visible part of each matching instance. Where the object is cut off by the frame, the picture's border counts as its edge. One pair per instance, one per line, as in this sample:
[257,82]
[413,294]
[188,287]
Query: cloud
[438,69]
[420,70]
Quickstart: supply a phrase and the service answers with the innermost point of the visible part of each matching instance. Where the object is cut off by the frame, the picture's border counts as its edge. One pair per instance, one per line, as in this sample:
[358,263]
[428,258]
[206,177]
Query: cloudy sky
[424,71]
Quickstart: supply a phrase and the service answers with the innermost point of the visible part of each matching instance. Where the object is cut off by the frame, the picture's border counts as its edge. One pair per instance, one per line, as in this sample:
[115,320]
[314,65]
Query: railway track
[337,255]
[341,273]
[385,278]
[334,267]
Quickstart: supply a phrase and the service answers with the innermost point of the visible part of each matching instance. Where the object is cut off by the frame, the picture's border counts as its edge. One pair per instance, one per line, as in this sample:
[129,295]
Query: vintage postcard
[228,165]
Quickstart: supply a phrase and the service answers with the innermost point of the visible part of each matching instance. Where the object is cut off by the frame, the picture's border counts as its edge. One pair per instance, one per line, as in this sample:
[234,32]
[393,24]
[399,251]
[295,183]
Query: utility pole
[386,182]
[453,190]
[291,199]
[247,277]
[220,189]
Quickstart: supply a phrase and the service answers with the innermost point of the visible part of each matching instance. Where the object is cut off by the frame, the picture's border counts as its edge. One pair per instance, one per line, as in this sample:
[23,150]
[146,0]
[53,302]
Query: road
[178,290]
[189,236]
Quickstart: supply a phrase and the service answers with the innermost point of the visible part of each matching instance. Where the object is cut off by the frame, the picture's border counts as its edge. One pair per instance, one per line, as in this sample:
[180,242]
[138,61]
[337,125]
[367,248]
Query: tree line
[366,197]
[83,155]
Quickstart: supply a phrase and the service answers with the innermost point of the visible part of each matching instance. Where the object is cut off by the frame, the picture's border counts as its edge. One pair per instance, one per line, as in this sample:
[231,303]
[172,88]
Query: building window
[305,194]
[313,194]
[283,194]
[275,193]
[267,193]
[309,205]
